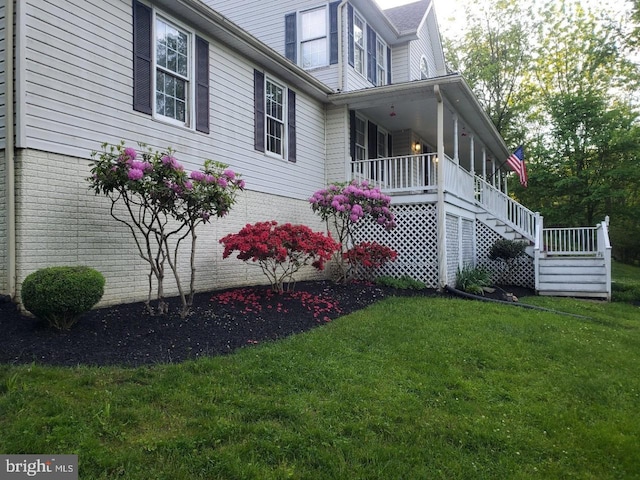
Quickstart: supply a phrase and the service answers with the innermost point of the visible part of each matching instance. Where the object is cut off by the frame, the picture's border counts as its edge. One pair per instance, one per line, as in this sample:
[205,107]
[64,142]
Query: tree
[162,205]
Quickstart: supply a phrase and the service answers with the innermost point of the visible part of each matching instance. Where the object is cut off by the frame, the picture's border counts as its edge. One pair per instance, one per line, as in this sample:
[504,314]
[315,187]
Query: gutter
[10,175]
[341,70]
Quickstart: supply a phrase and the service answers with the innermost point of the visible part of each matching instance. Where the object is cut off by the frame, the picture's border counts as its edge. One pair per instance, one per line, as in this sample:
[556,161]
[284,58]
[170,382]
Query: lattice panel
[453,245]
[523,273]
[415,240]
[468,238]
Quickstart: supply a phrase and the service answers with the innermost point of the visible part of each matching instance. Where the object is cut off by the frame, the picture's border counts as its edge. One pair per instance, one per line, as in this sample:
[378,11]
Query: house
[359,93]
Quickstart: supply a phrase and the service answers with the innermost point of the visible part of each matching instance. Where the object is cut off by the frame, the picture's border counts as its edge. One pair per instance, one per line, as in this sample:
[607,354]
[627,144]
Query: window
[382,144]
[424,68]
[313,38]
[275,117]
[358,43]
[170,70]
[381,62]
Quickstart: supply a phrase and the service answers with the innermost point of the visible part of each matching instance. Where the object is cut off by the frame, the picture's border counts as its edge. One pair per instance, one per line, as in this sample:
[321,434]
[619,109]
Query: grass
[410,388]
[626,282]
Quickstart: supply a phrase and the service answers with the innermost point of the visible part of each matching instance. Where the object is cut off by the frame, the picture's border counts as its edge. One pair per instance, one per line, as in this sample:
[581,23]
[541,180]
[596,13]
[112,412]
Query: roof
[408,17]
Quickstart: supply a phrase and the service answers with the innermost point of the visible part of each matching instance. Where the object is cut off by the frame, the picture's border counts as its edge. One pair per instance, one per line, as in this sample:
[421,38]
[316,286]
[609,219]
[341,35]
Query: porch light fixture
[393,112]
[416,147]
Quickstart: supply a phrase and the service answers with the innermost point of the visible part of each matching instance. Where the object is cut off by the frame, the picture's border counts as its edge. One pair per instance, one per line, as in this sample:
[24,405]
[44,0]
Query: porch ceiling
[415,107]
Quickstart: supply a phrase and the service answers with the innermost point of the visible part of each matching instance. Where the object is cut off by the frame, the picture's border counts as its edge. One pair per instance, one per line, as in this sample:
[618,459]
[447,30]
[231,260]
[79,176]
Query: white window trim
[364,147]
[356,15]
[386,142]
[380,82]
[285,121]
[191,91]
[326,37]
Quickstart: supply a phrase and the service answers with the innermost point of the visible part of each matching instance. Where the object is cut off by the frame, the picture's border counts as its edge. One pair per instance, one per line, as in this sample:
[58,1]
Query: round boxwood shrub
[60,295]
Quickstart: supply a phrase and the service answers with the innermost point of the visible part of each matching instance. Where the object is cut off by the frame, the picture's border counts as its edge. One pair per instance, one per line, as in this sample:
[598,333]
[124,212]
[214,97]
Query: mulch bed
[220,322]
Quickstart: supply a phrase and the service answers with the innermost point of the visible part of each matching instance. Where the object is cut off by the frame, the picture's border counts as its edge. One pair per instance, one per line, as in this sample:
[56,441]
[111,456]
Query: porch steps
[504,230]
[578,276]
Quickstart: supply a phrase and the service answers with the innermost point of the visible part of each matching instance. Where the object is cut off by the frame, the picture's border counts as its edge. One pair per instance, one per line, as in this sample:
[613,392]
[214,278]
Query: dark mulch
[219,323]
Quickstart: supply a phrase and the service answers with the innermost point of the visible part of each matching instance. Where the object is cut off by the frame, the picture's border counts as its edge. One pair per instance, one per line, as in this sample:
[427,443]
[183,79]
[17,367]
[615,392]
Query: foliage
[162,204]
[507,250]
[366,257]
[280,250]
[474,404]
[472,279]
[345,207]
[404,282]
[626,283]
[60,295]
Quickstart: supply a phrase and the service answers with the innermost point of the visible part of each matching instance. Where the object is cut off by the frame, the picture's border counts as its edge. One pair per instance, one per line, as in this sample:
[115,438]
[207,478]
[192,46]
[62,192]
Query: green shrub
[507,250]
[405,283]
[60,295]
[473,279]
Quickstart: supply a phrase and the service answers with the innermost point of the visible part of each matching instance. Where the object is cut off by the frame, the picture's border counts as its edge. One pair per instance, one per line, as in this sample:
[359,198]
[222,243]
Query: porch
[476,212]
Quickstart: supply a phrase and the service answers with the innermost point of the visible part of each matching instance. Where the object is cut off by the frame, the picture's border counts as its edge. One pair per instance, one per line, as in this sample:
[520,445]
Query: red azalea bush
[367,256]
[280,250]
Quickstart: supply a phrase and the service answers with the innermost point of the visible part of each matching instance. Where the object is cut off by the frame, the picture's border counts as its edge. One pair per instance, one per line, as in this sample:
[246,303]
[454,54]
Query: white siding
[3,227]
[78,82]
[265,21]
[400,63]
[61,222]
[338,156]
[418,49]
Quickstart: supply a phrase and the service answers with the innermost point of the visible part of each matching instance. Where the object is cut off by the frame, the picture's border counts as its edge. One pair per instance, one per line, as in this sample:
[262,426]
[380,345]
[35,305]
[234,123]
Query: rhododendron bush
[280,250]
[345,208]
[366,257]
[162,205]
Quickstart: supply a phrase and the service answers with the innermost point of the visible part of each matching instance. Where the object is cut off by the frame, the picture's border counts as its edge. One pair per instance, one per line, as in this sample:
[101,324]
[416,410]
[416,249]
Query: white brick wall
[61,222]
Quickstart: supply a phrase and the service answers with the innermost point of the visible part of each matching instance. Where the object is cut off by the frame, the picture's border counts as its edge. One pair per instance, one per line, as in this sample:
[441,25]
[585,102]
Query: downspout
[442,238]
[9,152]
[341,70]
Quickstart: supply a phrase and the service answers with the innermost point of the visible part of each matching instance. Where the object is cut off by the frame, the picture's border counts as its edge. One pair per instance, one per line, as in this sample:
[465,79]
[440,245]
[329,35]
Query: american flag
[516,162]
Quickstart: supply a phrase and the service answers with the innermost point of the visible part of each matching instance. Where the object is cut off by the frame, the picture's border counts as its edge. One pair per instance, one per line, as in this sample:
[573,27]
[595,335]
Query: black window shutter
[373,140]
[291,37]
[388,66]
[350,30]
[258,115]
[371,55]
[333,32]
[352,136]
[389,146]
[142,58]
[291,117]
[202,85]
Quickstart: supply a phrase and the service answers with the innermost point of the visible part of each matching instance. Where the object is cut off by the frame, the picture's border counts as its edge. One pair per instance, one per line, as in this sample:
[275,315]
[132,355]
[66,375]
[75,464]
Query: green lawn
[415,388]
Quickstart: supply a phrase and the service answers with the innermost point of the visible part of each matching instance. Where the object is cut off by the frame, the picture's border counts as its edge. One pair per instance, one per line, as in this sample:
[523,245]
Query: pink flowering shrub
[366,257]
[345,207]
[280,250]
[154,189]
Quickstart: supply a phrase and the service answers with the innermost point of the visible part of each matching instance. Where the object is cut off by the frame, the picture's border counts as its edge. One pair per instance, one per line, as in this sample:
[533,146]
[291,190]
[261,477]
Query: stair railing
[604,250]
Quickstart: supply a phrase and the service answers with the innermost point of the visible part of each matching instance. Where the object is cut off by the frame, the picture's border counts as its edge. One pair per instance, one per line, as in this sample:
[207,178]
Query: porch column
[473,157]
[442,237]
[506,185]
[484,164]
[456,157]
[493,172]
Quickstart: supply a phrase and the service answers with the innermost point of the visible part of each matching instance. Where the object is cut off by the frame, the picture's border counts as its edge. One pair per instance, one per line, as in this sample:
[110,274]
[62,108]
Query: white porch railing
[505,208]
[574,241]
[398,174]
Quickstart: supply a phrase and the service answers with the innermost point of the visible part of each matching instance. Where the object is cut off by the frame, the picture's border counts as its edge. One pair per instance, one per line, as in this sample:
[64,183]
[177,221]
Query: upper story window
[170,70]
[173,75]
[313,38]
[381,62]
[358,44]
[424,68]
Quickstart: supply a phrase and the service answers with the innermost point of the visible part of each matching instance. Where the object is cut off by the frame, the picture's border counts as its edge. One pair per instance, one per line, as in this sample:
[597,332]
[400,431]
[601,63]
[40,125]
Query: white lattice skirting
[416,239]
